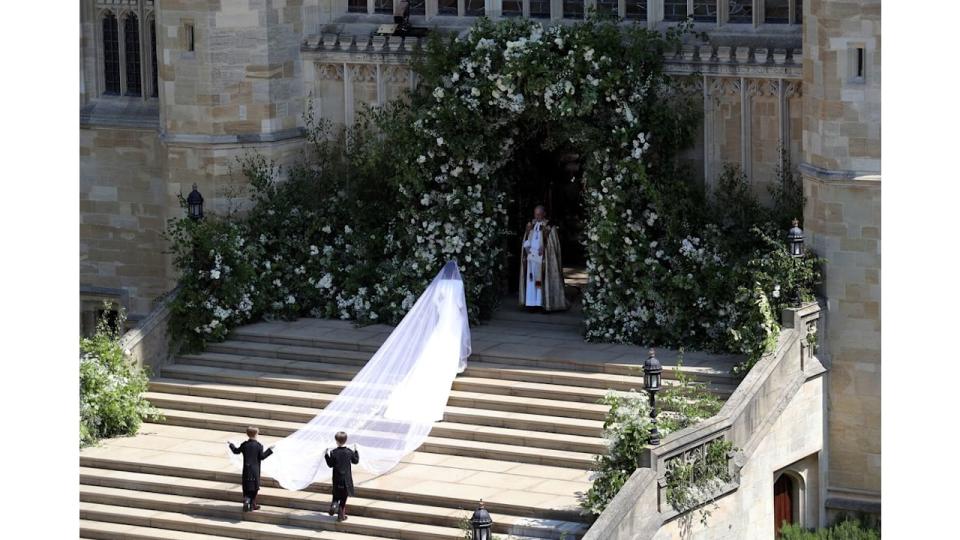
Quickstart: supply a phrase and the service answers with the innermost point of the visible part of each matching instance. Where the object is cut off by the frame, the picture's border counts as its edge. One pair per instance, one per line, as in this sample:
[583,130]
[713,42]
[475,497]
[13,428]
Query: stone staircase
[520,431]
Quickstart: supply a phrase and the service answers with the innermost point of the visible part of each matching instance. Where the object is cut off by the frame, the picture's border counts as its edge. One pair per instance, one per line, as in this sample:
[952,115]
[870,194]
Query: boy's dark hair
[252,432]
[341,437]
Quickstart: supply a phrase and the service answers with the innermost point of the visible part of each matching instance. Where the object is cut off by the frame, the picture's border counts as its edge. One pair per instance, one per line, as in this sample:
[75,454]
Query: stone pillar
[841,175]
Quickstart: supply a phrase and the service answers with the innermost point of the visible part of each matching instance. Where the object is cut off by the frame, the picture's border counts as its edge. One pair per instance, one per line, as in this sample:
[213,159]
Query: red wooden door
[782,502]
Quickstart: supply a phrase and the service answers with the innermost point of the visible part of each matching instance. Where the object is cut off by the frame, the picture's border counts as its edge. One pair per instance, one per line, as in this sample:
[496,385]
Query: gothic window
[741,11]
[418,7]
[637,9]
[539,9]
[572,9]
[608,7]
[475,8]
[512,8]
[383,6]
[111,55]
[356,6]
[674,10]
[776,11]
[447,7]
[153,57]
[131,50]
[705,10]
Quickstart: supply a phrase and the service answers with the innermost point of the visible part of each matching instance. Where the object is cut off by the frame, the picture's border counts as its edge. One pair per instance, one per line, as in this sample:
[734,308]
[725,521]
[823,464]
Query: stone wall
[123,210]
[243,76]
[841,169]
[792,445]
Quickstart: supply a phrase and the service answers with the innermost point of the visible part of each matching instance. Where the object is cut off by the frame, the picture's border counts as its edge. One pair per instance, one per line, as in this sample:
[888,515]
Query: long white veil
[389,407]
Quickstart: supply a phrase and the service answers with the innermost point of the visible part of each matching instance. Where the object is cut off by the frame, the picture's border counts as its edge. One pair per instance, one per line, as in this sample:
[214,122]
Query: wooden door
[782,502]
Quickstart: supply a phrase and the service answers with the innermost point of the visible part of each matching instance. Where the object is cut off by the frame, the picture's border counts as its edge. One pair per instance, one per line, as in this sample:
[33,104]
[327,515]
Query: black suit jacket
[340,459]
[253,454]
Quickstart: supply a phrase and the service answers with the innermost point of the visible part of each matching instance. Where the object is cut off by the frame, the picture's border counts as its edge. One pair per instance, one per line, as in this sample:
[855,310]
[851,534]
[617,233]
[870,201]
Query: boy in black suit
[253,454]
[340,459]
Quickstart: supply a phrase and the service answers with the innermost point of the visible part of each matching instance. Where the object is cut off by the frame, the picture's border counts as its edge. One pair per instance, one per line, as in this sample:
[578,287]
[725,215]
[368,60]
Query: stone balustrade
[640,508]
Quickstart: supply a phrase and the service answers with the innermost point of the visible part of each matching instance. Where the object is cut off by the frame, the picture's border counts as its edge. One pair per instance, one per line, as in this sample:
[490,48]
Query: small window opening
[190,38]
[860,62]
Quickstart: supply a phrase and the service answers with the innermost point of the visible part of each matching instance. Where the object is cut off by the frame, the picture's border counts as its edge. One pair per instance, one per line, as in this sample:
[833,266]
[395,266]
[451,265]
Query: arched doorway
[784,493]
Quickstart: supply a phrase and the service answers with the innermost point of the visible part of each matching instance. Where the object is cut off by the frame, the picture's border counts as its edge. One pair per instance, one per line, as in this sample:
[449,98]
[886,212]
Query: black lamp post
[795,245]
[481,523]
[195,204]
[795,240]
[651,383]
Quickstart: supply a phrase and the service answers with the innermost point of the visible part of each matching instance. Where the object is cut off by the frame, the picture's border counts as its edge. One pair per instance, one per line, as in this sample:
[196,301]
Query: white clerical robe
[534,288]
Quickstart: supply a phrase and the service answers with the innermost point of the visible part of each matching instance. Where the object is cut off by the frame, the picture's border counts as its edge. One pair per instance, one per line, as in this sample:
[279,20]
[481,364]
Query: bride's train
[389,407]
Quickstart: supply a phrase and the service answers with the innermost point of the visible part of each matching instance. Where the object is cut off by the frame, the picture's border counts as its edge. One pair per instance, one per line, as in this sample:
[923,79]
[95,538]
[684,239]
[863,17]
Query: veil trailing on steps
[389,407]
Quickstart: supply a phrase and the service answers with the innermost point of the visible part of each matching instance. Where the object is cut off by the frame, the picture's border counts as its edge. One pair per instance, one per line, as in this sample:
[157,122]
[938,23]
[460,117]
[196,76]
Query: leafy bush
[627,431]
[111,386]
[844,530]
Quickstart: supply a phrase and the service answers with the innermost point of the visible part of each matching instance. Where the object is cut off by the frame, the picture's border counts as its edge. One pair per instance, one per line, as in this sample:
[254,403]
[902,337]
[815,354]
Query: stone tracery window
[674,10]
[131,41]
[740,11]
[356,6]
[111,54]
[705,10]
[636,9]
[447,7]
[512,8]
[608,7]
[155,92]
[572,9]
[475,8]
[540,9]
[383,6]
[776,11]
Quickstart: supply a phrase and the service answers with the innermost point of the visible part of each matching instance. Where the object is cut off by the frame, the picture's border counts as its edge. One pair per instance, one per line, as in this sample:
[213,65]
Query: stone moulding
[639,510]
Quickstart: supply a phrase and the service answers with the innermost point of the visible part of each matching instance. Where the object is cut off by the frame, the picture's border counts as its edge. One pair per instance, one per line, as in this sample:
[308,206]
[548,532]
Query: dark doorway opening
[550,177]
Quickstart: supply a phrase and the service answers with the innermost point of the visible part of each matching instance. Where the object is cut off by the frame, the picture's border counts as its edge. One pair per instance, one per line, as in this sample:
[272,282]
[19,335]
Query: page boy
[340,459]
[253,454]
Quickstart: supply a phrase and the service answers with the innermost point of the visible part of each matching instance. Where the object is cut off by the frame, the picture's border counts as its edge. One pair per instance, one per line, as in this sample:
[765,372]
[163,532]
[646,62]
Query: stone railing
[148,344]
[640,508]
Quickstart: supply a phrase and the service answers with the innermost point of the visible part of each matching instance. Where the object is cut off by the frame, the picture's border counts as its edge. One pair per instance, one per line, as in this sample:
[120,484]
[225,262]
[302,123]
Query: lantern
[481,523]
[195,204]
[795,240]
[651,383]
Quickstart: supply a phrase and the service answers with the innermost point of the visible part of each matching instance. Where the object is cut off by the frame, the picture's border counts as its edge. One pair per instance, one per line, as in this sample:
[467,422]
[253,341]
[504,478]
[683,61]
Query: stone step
[445,429]
[318,369]
[223,521]
[508,403]
[301,500]
[105,530]
[463,382]
[440,481]
[248,391]
[575,356]
[478,446]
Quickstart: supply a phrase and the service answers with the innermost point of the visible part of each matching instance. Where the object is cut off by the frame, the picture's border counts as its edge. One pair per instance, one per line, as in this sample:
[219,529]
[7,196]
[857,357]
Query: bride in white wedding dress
[389,407]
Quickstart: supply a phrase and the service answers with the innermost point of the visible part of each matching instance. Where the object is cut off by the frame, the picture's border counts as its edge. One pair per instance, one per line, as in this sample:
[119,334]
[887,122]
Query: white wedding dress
[389,407]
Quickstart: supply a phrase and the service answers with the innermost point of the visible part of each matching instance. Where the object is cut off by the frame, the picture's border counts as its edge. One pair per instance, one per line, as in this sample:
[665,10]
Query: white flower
[439,141]
[326,229]
[314,251]
[347,229]
[421,159]
[475,91]
[559,42]
[291,299]
[438,93]
[425,200]
[215,274]
[456,171]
